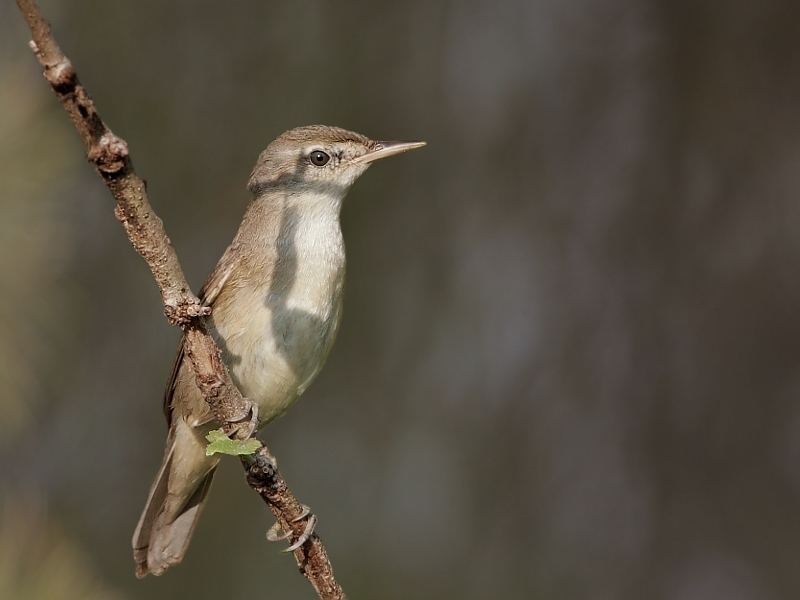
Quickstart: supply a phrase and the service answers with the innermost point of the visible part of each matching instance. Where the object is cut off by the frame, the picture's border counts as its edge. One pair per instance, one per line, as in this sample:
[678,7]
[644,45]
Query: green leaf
[219,443]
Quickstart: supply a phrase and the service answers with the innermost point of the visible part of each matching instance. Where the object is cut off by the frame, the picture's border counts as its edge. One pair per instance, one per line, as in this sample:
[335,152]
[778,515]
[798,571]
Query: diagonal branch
[109,153]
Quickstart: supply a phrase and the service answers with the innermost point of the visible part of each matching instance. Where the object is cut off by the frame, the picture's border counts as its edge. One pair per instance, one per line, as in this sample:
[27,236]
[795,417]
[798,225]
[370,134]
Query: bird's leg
[274,536]
[249,414]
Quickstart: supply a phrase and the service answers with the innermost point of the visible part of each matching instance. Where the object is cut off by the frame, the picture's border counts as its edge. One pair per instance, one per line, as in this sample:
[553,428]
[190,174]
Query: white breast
[279,348]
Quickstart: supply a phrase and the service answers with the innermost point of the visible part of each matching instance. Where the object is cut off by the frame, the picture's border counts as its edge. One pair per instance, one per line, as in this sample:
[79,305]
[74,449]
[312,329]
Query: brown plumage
[276,299]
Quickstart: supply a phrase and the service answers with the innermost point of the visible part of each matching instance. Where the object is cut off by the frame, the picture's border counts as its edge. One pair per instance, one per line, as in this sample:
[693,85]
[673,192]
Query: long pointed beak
[384,149]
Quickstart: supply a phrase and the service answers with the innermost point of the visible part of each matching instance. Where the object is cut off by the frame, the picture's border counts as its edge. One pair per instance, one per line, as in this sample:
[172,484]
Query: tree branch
[109,153]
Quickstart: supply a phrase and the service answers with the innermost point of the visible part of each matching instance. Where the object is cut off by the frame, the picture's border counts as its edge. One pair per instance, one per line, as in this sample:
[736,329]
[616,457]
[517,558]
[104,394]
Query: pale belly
[277,350]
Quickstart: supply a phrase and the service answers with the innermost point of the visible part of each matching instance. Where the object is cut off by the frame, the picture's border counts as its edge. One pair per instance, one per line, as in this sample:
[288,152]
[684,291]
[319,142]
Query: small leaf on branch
[219,443]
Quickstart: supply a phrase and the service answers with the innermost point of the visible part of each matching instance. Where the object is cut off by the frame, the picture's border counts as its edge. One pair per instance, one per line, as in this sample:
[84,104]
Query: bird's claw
[305,536]
[249,414]
[303,514]
[274,536]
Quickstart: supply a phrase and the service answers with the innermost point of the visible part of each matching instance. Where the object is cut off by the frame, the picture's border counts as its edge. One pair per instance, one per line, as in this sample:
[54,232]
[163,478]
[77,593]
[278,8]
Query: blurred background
[569,365]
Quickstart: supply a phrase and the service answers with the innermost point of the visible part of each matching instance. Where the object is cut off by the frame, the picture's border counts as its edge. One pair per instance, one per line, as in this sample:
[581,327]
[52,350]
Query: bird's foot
[248,417]
[274,536]
[307,532]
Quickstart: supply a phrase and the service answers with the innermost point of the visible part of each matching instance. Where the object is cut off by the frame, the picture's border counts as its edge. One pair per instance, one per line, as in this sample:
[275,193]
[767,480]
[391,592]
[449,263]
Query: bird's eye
[319,158]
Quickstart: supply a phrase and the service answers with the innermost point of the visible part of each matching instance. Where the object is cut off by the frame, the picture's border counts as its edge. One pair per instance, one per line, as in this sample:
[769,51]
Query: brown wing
[219,276]
[170,391]
[208,293]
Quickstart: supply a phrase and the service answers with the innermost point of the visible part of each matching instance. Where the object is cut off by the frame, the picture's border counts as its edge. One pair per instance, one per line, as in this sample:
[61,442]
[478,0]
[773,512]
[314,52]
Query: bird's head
[319,159]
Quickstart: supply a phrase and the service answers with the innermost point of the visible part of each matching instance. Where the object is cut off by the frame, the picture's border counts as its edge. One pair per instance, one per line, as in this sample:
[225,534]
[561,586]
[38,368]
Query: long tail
[176,499]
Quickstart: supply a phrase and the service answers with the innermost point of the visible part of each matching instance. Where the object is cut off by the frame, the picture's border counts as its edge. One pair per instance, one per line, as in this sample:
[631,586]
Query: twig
[109,153]
[263,477]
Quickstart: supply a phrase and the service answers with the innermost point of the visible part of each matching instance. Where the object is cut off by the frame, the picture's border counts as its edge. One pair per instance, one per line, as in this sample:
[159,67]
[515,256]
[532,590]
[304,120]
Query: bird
[276,303]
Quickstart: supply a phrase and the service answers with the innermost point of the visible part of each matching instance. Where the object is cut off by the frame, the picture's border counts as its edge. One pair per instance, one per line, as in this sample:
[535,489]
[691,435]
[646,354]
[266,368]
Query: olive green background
[569,365]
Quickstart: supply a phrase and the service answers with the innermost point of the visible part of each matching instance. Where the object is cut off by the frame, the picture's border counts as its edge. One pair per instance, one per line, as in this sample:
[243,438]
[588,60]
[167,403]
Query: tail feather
[155,501]
[175,502]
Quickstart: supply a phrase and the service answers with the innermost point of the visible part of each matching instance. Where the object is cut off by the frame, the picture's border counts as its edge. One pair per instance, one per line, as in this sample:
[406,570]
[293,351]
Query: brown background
[569,365]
